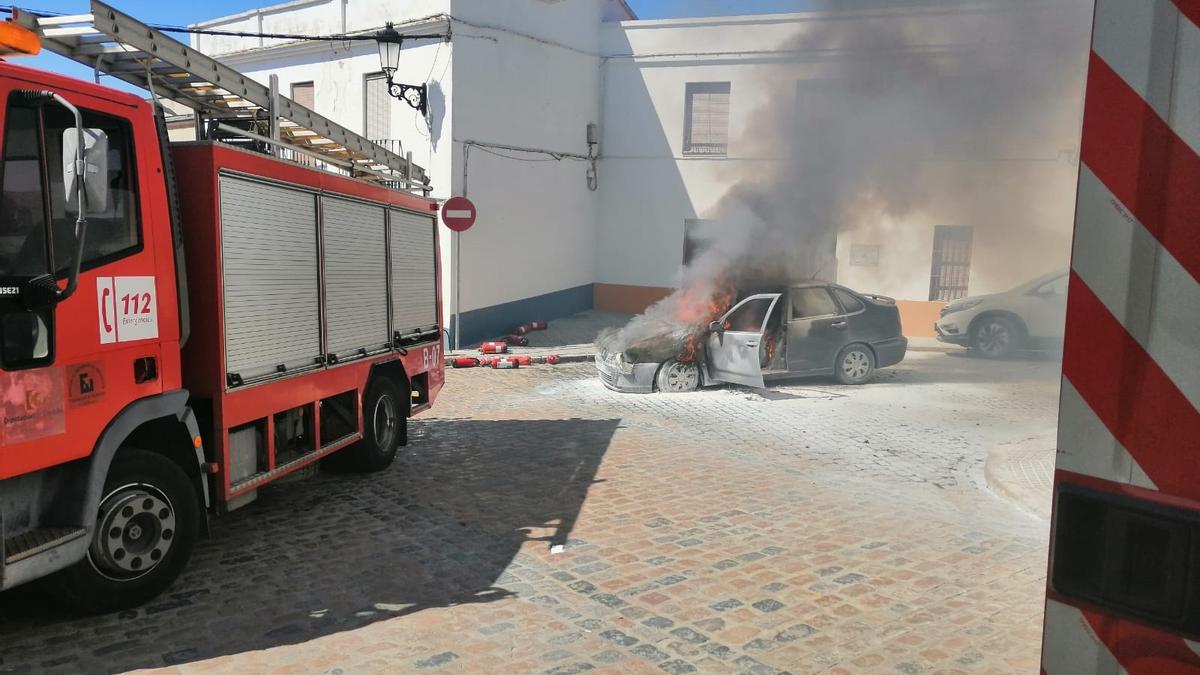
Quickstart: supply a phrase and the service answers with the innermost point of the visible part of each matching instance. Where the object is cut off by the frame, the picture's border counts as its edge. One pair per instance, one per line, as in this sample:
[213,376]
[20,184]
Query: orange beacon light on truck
[18,41]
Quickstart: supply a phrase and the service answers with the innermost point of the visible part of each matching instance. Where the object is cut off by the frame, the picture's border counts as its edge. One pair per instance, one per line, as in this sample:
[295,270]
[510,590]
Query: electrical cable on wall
[591,174]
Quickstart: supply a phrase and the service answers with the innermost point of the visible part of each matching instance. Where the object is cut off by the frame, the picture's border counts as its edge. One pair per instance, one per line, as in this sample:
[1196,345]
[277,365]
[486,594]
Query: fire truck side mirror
[24,337]
[94,170]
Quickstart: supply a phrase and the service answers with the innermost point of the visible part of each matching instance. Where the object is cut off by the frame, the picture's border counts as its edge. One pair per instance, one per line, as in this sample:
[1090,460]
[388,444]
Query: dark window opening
[951,262]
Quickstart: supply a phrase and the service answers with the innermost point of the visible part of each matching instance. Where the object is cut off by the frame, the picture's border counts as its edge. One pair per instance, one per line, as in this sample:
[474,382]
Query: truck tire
[145,531]
[855,364]
[385,425]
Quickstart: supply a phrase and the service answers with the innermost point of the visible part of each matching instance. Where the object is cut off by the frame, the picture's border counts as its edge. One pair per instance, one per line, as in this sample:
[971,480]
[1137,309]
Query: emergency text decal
[127,309]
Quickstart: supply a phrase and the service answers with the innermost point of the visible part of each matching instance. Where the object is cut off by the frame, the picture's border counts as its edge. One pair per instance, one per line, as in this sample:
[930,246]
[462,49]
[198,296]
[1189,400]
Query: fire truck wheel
[677,376]
[384,422]
[854,365]
[145,530]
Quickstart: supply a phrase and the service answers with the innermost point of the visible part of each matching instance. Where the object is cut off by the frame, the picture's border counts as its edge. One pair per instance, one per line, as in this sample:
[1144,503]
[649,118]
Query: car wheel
[855,364]
[678,376]
[145,530]
[994,337]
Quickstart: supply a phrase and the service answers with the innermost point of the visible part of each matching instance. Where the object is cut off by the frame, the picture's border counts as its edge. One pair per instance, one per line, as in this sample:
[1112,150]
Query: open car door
[733,347]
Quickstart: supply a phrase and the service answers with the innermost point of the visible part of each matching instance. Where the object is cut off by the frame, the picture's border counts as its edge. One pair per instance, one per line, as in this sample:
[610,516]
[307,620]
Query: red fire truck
[1124,586]
[181,324]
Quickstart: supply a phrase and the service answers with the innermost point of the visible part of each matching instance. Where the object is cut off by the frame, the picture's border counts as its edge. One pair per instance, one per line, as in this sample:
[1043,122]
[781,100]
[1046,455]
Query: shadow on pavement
[1028,356]
[338,552]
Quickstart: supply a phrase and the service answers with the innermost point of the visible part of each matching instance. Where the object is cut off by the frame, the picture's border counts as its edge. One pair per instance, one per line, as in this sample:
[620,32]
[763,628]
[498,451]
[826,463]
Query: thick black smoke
[869,119]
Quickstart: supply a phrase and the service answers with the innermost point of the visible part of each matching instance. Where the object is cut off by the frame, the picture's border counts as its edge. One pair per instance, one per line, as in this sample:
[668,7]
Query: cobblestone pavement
[809,528]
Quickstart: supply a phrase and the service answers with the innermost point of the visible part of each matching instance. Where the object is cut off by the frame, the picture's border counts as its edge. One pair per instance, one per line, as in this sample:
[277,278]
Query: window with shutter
[706,125]
[304,93]
[377,124]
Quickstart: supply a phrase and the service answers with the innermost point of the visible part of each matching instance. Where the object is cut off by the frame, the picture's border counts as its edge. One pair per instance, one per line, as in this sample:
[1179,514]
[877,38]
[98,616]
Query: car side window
[812,301]
[849,302]
[749,317]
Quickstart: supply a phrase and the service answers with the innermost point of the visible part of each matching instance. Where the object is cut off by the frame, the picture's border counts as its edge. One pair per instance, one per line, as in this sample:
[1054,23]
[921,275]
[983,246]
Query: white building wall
[529,79]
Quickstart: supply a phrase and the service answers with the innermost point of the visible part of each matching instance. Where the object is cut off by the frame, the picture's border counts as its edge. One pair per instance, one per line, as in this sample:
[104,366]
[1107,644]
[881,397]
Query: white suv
[1030,316]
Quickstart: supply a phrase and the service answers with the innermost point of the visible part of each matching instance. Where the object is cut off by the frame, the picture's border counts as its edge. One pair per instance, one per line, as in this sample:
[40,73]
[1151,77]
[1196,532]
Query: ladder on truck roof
[116,44]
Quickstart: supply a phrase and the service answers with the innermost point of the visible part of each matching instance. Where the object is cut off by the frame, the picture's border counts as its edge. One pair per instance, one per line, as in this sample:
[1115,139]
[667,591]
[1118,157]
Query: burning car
[806,329]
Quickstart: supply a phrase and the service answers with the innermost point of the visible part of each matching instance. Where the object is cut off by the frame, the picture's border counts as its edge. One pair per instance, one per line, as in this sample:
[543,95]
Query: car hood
[977,300]
[659,347]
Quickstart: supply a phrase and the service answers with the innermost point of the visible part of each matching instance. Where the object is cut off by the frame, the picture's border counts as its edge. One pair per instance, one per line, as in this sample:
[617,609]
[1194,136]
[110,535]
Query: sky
[182,13]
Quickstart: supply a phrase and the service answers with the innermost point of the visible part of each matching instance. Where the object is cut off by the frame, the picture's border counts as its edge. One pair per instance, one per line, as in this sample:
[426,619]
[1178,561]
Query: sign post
[458,213]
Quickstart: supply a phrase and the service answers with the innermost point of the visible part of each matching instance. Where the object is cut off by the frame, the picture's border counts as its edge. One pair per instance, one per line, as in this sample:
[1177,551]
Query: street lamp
[390,40]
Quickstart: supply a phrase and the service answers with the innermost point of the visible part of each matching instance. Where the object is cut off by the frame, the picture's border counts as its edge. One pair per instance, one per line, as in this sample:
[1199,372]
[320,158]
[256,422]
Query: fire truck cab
[180,325]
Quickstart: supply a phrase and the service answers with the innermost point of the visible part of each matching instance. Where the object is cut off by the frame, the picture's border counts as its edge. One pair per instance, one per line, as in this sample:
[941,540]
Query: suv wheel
[994,337]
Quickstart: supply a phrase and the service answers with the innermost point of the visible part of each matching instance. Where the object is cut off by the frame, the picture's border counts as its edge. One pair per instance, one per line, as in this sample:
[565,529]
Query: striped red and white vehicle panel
[1130,408]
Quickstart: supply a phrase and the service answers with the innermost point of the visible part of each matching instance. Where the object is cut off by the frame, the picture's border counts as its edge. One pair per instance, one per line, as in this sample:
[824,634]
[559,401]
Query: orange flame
[699,308]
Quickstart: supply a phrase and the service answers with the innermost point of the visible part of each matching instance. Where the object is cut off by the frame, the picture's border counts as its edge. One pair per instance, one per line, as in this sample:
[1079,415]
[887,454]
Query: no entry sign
[458,213]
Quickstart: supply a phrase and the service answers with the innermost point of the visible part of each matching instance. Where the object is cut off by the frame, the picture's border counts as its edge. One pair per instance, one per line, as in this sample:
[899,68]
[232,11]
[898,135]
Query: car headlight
[960,306]
[625,366]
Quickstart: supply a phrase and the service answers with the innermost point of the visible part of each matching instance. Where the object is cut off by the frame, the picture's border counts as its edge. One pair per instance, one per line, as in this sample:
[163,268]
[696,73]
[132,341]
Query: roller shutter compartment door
[414,277]
[271,287]
[356,313]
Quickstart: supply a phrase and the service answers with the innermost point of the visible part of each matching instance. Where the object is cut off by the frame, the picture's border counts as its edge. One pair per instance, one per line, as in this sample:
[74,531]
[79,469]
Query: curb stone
[1022,472]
